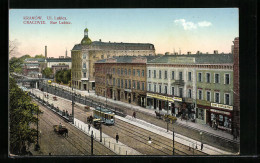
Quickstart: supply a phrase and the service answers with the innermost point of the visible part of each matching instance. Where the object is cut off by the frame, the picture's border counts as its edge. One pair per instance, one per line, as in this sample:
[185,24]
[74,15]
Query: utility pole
[173,141]
[100,125]
[72,99]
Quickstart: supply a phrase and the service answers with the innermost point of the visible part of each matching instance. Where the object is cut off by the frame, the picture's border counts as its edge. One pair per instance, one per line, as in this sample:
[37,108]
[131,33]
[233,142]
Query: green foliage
[39,56]
[16,64]
[47,72]
[63,76]
[22,117]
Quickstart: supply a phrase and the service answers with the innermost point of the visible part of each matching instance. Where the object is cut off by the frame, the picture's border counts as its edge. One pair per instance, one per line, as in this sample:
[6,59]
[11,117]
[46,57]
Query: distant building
[85,54]
[56,68]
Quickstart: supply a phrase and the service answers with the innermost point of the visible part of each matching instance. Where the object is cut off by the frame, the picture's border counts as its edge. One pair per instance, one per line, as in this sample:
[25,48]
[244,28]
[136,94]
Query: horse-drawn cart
[60,129]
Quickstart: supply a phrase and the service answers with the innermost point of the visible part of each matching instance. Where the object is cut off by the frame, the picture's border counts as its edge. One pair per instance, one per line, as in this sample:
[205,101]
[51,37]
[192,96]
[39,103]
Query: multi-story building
[85,54]
[122,78]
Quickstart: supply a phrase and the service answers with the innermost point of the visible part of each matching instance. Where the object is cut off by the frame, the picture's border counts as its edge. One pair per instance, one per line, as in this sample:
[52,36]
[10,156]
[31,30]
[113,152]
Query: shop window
[172,75]
[220,118]
[165,74]
[213,116]
[200,77]
[200,113]
[216,78]
[189,76]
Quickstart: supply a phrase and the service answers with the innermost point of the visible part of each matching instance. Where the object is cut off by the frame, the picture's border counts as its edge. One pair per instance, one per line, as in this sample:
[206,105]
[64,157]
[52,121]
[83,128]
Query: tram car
[105,115]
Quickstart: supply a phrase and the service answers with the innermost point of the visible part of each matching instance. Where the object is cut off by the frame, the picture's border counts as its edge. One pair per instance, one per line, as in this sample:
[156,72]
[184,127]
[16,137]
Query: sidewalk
[188,124]
[119,148]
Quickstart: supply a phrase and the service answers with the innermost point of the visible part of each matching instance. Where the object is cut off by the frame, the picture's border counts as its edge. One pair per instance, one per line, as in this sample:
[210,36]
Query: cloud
[190,25]
[204,24]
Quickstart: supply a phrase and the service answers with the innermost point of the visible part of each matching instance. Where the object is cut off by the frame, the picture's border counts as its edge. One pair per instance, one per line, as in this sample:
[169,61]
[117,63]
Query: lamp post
[72,100]
[201,147]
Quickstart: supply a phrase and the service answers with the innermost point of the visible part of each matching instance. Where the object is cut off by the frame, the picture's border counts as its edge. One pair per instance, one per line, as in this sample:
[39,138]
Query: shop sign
[128,90]
[202,102]
[222,106]
[224,128]
[159,97]
[219,111]
[177,99]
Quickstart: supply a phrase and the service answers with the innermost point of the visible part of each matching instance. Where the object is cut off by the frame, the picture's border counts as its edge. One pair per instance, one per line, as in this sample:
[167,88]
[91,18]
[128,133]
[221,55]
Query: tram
[105,115]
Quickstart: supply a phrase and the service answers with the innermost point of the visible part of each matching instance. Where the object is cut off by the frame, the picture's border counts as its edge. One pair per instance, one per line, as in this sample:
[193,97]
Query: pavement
[188,124]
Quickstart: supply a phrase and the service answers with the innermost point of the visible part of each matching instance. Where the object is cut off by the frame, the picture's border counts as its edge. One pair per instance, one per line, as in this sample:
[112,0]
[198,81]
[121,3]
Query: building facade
[85,55]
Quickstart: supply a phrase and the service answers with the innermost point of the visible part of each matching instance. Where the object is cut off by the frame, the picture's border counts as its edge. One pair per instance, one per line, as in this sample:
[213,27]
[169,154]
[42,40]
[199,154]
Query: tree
[47,72]
[22,117]
[39,56]
[15,64]
[63,76]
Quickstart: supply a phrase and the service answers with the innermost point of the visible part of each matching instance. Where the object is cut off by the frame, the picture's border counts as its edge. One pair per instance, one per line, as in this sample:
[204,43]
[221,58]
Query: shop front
[221,117]
[203,112]
[159,102]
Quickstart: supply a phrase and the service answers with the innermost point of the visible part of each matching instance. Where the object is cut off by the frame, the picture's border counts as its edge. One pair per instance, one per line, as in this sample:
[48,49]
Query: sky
[169,29]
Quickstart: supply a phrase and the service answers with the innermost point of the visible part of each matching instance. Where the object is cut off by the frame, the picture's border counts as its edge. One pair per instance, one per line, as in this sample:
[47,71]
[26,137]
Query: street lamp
[201,147]
[172,140]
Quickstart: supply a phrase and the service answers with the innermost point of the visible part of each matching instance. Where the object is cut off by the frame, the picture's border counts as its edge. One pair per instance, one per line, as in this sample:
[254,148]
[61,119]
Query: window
[160,89]
[84,74]
[189,93]
[129,72]
[118,83]
[84,56]
[118,71]
[113,70]
[172,74]
[160,74]
[134,84]
[133,72]
[208,78]
[122,71]
[149,87]
[200,94]
[180,75]
[189,76]
[129,84]
[125,83]
[180,91]
[142,73]
[200,77]
[138,72]
[102,56]
[138,85]
[149,74]
[165,89]
[125,71]
[216,78]
[84,65]
[165,74]
[154,88]
[227,79]
[227,99]
[114,81]
[143,86]
[208,96]
[217,97]
[173,91]
[122,83]
[200,113]
[154,73]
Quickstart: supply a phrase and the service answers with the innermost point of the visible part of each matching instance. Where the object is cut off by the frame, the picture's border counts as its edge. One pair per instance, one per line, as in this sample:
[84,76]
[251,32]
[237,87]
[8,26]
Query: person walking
[117,137]
[134,114]
[88,127]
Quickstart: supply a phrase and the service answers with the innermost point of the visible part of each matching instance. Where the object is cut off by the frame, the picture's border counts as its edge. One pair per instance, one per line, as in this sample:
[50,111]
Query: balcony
[178,82]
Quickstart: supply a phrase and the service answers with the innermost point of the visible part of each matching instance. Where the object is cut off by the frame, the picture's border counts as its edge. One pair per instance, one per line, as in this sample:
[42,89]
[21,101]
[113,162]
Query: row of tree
[22,118]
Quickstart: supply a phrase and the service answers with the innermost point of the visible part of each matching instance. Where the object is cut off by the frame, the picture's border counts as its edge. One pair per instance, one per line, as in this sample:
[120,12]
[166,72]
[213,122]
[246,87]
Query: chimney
[215,52]
[99,40]
[66,54]
[45,51]
[198,52]
[188,53]
[167,53]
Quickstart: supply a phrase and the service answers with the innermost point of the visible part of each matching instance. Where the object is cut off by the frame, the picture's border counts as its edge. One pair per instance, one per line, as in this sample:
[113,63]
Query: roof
[195,59]
[35,59]
[127,59]
[58,59]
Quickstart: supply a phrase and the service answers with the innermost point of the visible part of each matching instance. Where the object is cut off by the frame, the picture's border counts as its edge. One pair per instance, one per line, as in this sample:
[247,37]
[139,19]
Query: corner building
[85,54]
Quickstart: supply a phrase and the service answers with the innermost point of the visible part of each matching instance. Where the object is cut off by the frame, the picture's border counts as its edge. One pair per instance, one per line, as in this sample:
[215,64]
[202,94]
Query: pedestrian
[134,114]
[201,147]
[149,140]
[88,127]
[117,137]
